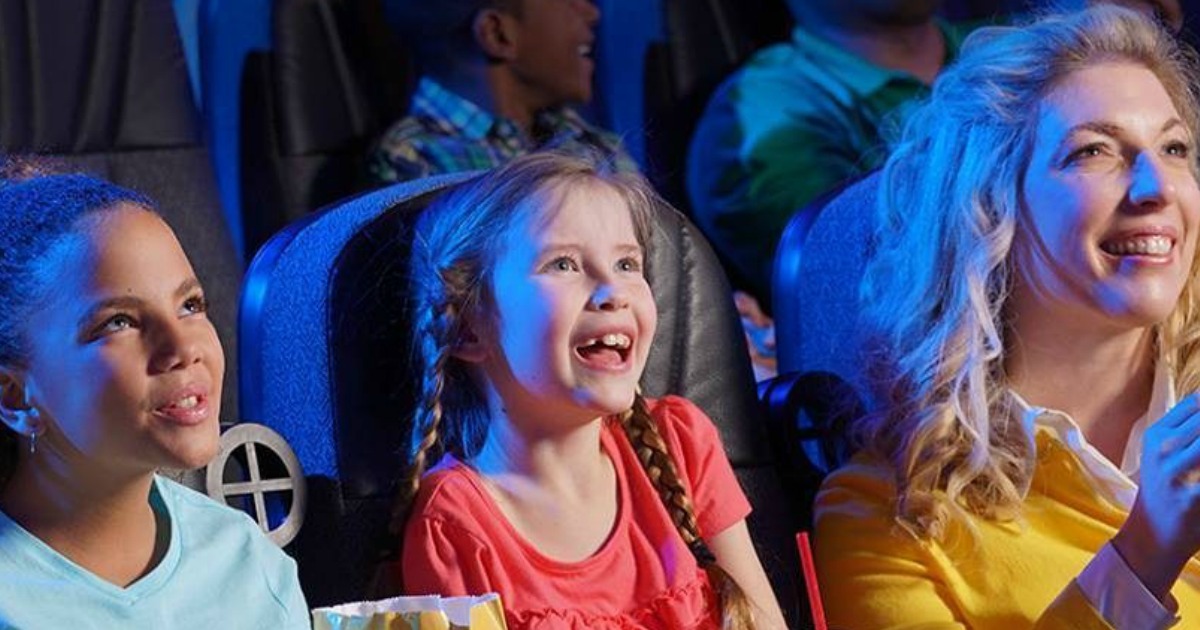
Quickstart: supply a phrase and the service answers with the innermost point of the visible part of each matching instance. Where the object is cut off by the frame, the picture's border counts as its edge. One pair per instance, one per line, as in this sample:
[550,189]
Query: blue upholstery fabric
[285,317]
[818,332]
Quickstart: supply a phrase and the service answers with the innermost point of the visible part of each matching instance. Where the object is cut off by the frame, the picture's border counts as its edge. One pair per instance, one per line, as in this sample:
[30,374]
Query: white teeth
[1141,246]
[619,341]
[584,50]
[188,403]
[615,340]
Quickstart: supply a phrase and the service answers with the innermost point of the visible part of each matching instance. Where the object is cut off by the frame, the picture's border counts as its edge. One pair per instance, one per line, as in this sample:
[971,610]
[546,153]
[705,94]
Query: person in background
[561,488]
[109,371]
[1029,313]
[498,79]
[805,115]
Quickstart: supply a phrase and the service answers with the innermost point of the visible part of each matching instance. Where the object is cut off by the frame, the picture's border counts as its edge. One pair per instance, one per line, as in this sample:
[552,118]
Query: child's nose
[608,297]
[176,348]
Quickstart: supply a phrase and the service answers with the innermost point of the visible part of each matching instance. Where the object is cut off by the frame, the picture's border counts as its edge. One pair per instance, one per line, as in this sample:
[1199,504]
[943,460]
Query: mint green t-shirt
[796,120]
[219,571]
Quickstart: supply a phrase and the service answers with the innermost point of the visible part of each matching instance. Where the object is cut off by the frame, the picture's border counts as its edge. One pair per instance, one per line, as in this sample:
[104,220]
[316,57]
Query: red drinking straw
[810,581]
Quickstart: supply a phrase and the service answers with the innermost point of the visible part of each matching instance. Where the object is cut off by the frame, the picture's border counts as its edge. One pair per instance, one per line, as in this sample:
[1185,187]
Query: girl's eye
[563,263]
[116,323]
[194,305]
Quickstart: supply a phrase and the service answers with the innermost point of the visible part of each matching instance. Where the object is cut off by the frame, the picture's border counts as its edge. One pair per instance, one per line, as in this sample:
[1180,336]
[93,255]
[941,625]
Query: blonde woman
[1029,316]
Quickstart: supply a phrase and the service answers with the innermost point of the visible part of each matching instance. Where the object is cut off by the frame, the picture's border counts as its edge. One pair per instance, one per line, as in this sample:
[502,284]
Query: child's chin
[610,403]
[196,457]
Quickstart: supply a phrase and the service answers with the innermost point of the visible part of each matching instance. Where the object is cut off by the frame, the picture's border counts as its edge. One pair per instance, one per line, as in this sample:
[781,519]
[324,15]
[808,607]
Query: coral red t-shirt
[458,542]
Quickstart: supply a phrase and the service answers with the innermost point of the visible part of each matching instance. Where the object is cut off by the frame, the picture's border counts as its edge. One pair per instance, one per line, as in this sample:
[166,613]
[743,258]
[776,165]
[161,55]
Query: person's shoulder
[450,492]
[676,413]
[221,530]
[863,482]
[771,82]
[195,503]
[452,509]
[783,61]
[211,519]
[410,133]
[227,546]
[684,426]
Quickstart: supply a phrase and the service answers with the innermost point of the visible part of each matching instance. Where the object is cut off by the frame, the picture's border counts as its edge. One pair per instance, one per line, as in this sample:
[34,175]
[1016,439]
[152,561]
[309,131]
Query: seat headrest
[831,268]
[339,74]
[93,77]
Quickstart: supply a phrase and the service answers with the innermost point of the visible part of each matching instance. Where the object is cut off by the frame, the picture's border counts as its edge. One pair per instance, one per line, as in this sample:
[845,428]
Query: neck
[1102,378]
[101,521]
[918,49]
[569,462]
[493,89]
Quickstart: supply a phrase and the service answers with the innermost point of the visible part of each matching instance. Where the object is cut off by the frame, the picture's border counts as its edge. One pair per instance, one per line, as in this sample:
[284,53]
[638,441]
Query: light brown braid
[428,417]
[656,460]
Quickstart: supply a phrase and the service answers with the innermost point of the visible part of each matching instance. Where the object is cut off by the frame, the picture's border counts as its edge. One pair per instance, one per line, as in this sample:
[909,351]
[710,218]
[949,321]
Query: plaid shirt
[445,133]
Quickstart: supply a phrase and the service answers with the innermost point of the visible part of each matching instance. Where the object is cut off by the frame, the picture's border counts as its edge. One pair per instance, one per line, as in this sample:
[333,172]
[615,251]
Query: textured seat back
[818,290]
[818,269]
[103,87]
[311,105]
[814,281]
[325,315]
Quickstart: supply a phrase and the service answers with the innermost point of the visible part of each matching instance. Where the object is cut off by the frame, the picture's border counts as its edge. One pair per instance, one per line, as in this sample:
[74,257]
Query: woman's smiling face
[1111,203]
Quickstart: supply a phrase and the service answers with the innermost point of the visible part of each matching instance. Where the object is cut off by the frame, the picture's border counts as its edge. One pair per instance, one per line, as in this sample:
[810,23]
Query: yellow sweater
[1014,575]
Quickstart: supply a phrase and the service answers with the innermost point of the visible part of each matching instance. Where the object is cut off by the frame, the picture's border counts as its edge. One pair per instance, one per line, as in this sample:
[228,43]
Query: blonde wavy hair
[935,289]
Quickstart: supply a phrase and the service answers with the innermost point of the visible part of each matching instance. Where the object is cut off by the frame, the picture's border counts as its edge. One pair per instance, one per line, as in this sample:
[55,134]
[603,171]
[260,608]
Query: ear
[471,348]
[16,410]
[496,34]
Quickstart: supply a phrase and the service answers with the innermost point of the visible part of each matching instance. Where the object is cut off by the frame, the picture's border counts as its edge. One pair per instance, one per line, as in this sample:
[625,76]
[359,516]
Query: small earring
[36,429]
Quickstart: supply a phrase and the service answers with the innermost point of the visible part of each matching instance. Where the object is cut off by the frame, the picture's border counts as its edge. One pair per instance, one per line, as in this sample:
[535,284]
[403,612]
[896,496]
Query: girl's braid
[432,325]
[656,461]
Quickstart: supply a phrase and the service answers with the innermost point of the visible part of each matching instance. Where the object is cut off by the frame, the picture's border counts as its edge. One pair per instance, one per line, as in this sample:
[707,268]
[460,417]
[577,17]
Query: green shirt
[799,118]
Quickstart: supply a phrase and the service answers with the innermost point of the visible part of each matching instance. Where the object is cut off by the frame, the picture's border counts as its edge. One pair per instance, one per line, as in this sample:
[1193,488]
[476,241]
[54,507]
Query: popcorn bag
[431,612]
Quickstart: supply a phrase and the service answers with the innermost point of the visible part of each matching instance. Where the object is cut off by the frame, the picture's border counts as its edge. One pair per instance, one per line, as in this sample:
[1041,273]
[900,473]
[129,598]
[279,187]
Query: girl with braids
[110,370]
[1030,311]
[581,503]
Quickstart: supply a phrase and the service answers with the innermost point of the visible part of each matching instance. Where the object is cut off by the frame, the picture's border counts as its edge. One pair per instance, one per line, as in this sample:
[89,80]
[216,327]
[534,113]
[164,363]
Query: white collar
[1118,484]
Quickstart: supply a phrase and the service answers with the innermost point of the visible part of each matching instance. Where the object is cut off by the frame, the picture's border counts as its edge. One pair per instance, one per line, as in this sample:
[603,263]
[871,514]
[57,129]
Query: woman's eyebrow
[1107,128]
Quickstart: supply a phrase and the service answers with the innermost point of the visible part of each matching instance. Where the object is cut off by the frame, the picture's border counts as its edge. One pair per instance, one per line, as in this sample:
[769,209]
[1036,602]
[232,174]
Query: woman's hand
[1163,528]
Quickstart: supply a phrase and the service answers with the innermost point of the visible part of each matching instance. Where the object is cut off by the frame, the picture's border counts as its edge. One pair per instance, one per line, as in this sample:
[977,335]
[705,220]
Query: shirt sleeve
[396,157]
[693,439]
[1113,589]
[746,178]
[441,559]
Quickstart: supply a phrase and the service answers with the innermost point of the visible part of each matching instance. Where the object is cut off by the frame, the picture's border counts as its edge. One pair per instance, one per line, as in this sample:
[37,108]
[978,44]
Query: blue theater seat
[326,363]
